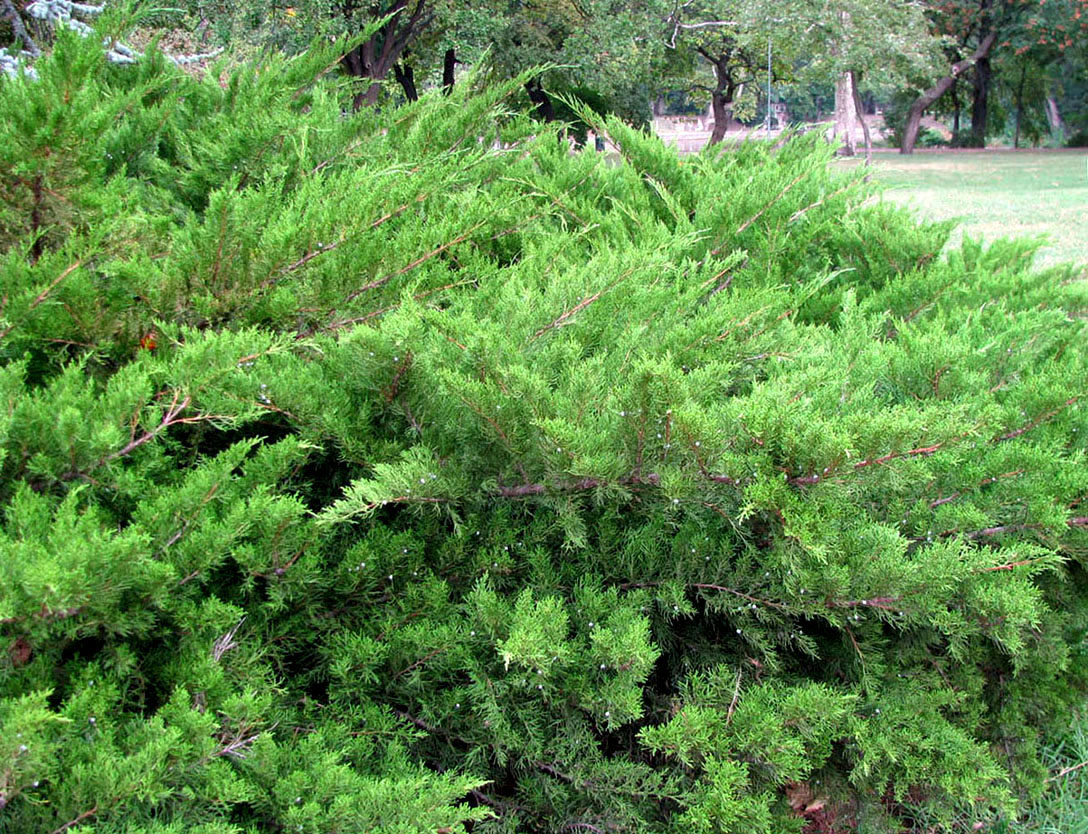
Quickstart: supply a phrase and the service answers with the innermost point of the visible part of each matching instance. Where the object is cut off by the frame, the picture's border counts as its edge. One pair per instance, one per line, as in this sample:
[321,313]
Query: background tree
[883,42]
[975,29]
[403,21]
[1067,94]
[598,50]
[732,37]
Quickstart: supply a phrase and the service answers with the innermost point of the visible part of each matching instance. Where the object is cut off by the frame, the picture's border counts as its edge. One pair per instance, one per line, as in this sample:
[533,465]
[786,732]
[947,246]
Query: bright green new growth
[407,472]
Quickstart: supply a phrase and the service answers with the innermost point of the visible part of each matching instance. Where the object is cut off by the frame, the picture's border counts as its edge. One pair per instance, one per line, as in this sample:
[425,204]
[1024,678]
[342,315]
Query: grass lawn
[1027,193]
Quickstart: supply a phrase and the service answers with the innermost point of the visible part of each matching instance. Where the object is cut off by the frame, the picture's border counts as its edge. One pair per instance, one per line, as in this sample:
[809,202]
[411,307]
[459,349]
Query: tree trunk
[1019,104]
[846,113]
[1054,116]
[845,121]
[860,111]
[956,107]
[406,77]
[369,97]
[914,116]
[980,105]
[659,106]
[718,107]
[721,100]
[449,61]
[539,97]
[380,54]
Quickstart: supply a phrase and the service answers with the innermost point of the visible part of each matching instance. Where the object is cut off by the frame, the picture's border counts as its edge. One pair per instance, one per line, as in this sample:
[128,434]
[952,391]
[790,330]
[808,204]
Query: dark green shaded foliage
[1078,140]
[491,486]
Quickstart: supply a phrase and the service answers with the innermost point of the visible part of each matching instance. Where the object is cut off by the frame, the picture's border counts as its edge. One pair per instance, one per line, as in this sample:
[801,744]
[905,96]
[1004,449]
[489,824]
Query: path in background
[690,133]
[995,194]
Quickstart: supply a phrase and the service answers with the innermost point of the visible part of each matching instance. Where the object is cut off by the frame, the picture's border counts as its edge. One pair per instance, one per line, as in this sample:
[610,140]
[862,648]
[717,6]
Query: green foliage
[407,471]
[1078,140]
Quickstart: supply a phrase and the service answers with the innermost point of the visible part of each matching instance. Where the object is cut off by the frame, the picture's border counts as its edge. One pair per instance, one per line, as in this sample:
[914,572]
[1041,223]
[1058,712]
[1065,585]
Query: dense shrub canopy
[409,472]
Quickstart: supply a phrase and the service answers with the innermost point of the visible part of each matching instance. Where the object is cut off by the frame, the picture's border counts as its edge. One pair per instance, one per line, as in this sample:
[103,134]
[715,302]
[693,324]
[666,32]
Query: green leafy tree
[732,39]
[887,42]
[976,29]
[600,51]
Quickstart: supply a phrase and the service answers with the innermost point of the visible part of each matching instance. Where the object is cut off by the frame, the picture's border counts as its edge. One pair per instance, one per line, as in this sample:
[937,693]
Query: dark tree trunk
[382,52]
[980,105]
[449,61]
[541,99]
[369,97]
[956,108]
[721,117]
[914,116]
[1019,104]
[721,99]
[406,77]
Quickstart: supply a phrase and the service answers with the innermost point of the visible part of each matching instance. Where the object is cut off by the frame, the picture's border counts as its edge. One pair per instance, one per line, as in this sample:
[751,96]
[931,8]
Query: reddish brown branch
[419,662]
[704,586]
[397,211]
[76,821]
[559,322]
[884,603]
[44,294]
[301,262]
[394,386]
[168,419]
[1007,566]
[1037,421]
[417,262]
[921,450]
[984,482]
[760,213]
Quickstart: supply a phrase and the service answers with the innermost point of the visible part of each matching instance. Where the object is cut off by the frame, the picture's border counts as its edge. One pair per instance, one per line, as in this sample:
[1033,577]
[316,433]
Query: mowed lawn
[1027,193]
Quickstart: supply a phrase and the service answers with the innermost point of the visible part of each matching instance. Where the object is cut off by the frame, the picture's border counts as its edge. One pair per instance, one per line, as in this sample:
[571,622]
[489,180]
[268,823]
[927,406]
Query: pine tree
[404,471]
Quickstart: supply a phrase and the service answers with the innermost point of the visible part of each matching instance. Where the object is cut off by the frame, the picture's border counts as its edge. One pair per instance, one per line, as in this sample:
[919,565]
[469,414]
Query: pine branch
[884,603]
[321,249]
[226,642]
[168,419]
[763,210]
[563,319]
[1008,566]
[417,262]
[984,482]
[733,702]
[1037,421]
[1065,771]
[42,296]
[418,663]
[78,819]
